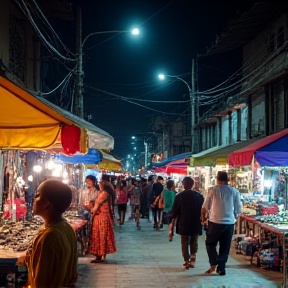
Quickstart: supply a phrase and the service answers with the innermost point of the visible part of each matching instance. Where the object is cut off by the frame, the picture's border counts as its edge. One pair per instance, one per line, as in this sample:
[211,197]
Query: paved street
[145,258]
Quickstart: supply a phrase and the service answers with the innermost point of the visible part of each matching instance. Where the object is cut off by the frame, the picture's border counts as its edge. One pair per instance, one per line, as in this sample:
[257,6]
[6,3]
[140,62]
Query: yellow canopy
[218,155]
[30,122]
[25,122]
[109,162]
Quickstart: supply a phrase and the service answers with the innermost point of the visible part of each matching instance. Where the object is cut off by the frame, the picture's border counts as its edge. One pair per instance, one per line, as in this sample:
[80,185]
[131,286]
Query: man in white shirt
[221,208]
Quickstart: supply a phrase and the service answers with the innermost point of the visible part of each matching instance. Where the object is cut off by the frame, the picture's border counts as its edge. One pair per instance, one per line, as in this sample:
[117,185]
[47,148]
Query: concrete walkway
[145,258]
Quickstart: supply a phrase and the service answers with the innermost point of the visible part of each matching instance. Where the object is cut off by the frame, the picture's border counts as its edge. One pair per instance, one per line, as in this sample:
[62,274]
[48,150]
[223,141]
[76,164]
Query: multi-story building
[260,106]
[21,48]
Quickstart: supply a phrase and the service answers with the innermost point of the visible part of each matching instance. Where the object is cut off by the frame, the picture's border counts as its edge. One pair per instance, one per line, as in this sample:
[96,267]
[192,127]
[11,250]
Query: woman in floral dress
[102,240]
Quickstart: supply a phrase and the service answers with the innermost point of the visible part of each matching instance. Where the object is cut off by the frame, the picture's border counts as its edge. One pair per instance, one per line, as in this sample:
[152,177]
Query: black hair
[189,182]
[92,178]
[169,184]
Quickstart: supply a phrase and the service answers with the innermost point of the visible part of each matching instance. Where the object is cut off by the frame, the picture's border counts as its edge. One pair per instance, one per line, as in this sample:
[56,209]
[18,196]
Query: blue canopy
[164,162]
[274,154]
[92,157]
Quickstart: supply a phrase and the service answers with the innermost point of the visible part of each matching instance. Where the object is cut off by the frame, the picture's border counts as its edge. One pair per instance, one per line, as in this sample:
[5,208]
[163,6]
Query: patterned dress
[102,240]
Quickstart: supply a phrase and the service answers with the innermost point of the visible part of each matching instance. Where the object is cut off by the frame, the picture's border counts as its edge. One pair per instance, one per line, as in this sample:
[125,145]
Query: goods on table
[17,236]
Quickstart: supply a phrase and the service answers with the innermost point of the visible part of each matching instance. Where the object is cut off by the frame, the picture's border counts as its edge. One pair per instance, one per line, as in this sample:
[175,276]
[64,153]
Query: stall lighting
[56,173]
[66,181]
[268,183]
[50,165]
[65,174]
[242,174]
[37,168]
[30,178]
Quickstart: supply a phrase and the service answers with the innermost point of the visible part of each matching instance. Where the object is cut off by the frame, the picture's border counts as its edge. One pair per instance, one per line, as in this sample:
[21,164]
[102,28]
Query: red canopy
[244,156]
[159,169]
[177,169]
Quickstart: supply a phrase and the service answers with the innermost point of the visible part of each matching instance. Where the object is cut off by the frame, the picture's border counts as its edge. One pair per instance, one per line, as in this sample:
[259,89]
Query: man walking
[223,205]
[187,210]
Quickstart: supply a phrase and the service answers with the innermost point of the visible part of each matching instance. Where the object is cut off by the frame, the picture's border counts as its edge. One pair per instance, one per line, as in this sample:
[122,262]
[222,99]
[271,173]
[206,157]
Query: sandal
[211,270]
[187,265]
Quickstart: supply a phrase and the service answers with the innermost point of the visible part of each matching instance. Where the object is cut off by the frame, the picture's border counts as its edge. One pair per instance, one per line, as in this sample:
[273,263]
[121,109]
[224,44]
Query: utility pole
[146,153]
[192,99]
[78,108]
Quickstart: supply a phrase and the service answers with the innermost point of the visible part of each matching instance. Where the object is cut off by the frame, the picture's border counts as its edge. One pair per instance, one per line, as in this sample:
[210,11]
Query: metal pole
[192,99]
[146,152]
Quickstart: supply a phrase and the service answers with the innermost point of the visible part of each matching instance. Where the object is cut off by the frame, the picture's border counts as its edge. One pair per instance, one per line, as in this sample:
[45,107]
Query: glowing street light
[135,31]
[79,101]
[192,96]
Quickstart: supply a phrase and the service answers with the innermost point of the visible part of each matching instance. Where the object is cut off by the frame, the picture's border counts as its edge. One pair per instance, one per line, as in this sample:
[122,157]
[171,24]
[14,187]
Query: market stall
[27,140]
[264,221]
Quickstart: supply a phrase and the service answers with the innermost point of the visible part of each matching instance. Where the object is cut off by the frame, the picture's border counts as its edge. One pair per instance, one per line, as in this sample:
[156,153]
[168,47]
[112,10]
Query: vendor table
[79,225]
[254,228]
[8,257]
[8,260]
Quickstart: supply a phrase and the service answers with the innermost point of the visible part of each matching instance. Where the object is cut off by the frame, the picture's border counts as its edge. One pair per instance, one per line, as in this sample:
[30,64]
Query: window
[17,48]
[272,43]
[280,37]
[275,108]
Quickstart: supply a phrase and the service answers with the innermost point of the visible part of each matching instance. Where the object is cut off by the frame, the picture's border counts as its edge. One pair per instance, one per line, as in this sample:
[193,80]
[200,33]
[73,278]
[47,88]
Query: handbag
[159,201]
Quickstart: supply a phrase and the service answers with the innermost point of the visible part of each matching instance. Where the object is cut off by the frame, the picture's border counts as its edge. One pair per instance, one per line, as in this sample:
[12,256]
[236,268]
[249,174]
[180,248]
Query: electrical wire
[51,28]
[137,99]
[27,12]
[243,68]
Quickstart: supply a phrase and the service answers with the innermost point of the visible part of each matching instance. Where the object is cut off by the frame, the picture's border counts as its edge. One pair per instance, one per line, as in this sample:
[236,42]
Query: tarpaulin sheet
[166,161]
[218,155]
[31,122]
[92,157]
[268,151]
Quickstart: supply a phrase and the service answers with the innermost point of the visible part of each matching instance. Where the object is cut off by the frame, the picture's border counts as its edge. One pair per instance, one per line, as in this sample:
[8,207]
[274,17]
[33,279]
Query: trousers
[223,234]
[186,243]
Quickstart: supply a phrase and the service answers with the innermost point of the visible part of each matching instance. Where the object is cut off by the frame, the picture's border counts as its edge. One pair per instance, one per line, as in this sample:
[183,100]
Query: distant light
[135,31]
[161,76]
[30,178]
[37,168]
[133,137]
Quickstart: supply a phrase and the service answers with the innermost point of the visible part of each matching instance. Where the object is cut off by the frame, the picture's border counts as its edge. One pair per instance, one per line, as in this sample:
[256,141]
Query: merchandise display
[17,236]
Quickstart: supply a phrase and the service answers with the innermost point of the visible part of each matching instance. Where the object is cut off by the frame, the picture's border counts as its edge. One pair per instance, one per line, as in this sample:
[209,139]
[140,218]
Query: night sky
[172,33]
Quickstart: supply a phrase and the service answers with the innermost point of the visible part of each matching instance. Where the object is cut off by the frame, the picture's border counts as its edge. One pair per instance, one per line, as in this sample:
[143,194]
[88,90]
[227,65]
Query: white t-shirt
[223,204]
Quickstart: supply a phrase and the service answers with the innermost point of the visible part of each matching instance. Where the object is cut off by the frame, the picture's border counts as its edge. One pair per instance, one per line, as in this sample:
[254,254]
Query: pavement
[145,258]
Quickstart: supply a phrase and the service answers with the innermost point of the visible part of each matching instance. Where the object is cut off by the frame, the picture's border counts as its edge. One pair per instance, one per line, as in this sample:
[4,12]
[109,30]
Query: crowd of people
[150,199]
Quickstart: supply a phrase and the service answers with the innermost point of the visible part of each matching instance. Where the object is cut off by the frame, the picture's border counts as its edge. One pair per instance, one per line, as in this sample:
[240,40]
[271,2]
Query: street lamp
[79,103]
[135,31]
[192,100]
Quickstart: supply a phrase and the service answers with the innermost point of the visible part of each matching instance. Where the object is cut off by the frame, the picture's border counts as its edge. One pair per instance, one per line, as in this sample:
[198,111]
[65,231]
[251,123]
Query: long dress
[102,240]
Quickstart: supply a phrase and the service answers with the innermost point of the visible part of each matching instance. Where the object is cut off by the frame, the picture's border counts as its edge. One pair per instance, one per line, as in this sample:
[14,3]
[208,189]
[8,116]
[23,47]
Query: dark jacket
[187,209]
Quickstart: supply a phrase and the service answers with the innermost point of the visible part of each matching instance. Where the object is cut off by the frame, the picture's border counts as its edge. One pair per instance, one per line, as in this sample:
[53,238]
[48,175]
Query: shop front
[265,219]
[205,165]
